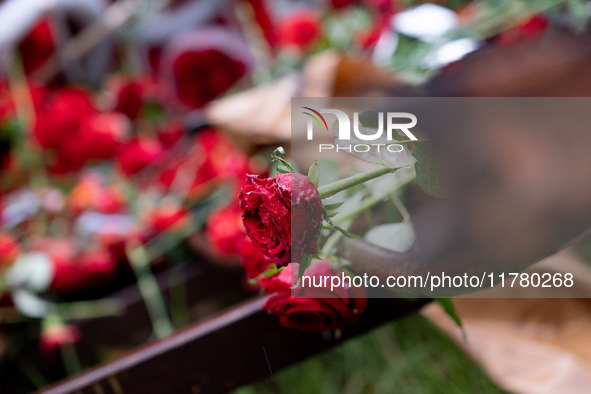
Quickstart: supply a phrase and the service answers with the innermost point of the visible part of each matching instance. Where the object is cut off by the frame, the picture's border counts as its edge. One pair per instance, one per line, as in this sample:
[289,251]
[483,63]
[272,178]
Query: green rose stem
[67,350]
[149,289]
[334,239]
[346,219]
[90,309]
[333,188]
[70,358]
[373,201]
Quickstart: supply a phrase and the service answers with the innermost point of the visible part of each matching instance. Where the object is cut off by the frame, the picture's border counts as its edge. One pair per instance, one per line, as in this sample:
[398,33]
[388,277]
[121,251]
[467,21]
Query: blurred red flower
[57,335]
[201,76]
[137,154]
[528,30]
[339,4]
[60,116]
[168,216]
[38,45]
[129,95]
[9,250]
[253,260]
[74,270]
[300,30]
[90,194]
[334,310]
[224,229]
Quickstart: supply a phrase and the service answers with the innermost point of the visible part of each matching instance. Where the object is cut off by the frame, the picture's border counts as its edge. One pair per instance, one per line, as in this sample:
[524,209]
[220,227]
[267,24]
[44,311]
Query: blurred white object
[426,22]
[385,47]
[32,271]
[100,223]
[20,206]
[451,52]
[31,274]
[165,25]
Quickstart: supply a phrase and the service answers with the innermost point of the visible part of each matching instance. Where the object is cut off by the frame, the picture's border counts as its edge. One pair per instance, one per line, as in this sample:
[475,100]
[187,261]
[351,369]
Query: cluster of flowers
[84,173]
[282,217]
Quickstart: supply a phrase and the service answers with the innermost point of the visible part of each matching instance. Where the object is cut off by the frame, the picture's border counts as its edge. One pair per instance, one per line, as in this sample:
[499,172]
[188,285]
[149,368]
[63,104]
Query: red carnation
[330,311]
[275,208]
[300,30]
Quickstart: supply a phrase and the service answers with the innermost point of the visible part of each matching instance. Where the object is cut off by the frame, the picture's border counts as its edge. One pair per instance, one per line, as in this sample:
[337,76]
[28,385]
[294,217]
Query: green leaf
[283,166]
[304,264]
[283,169]
[398,237]
[579,14]
[332,207]
[428,175]
[448,307]
[369,119]
[330,226]
[313,174]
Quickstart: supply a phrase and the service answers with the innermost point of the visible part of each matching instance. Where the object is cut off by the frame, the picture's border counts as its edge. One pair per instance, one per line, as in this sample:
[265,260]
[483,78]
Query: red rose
[339,4]
[171,133]
[253,260]
[211,160]
[59,119]
[264,20]
[332,311]
[530,29]
[274,208]
[57,335]
[129,94]
[137,154]
[8,250]
[37,46]
[367,39]
[99,136]
[300,30]
[90,194]
[168,217]
[73,271]
[225,230]
[200,76]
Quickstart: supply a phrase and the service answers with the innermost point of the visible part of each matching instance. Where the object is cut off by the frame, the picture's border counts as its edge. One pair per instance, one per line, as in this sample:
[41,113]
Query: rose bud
[331,310]
[268,206]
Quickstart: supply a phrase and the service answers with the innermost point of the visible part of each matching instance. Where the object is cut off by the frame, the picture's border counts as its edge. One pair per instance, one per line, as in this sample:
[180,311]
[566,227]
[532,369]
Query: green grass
[406,356]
